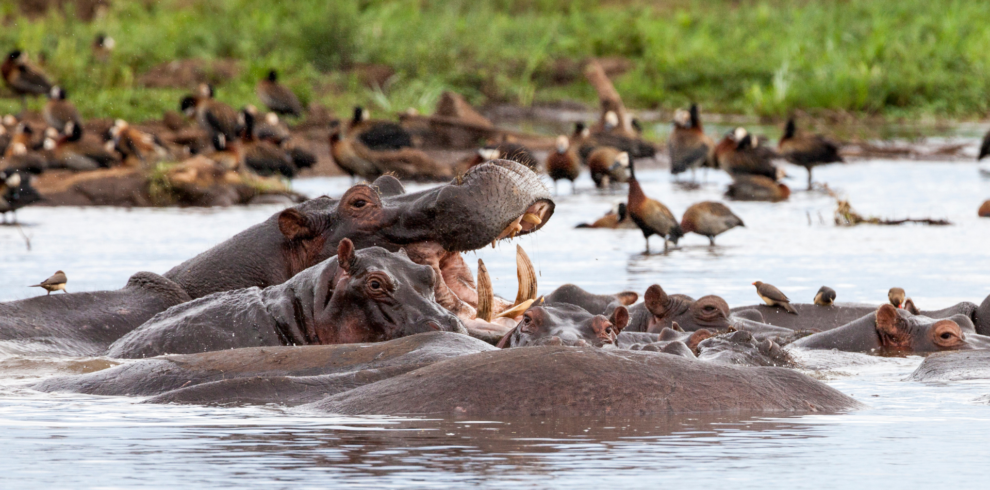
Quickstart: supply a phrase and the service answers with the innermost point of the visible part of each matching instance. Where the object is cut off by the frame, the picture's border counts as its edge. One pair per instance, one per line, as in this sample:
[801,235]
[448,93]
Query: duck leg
[809,178]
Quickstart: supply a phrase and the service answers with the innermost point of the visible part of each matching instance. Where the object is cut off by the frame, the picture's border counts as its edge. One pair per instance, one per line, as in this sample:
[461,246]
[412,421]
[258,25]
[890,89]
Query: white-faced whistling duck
[103,46]
[135,145]
[264,157]
[16,192]
[807,150]
[376,134]
[212,115]
[563,162]
[757,188]
[71,151]
[650,215]
[59,111]
[740,153]
[709,219]
[825,296]
[24,78]
[688,145]
[617,217]
[608,166]
[278,97]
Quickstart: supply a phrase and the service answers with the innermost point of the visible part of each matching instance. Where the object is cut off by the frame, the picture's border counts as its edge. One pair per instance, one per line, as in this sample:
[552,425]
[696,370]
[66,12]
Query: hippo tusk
[516,310]
[527,277]
[486,296]
[532,219]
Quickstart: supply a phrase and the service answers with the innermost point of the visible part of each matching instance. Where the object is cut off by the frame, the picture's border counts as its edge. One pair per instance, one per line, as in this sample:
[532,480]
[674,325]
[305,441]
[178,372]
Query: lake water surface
[913,435]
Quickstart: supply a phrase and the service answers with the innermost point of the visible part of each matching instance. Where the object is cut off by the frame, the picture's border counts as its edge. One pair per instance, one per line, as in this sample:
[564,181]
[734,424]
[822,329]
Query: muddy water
[913,435]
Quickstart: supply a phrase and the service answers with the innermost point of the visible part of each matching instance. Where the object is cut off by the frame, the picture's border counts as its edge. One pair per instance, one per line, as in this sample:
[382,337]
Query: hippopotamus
[370,295]
[658,311]
[942,367]
[262,375]
[493,201]
[891,330]
[566,324]
[592,303]
[734,347]
[821,318]
[585,381]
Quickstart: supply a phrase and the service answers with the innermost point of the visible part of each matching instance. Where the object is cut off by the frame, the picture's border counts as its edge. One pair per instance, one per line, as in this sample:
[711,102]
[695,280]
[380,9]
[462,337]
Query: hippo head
[901,332]
[740,348]
[493,201]
[371,295]
[711,312]
[566,324]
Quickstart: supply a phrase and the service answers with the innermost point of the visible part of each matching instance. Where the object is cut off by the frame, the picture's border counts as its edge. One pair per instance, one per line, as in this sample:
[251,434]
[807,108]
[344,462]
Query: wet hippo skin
[565,381]
[953,366]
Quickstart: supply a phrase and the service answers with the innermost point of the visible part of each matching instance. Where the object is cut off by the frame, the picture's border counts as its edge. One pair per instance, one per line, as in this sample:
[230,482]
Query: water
[913,435]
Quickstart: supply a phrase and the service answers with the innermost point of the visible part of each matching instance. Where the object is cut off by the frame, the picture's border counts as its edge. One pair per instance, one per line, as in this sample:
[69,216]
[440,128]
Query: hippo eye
[359,203]
[375,285]
[709,308]
[947,335]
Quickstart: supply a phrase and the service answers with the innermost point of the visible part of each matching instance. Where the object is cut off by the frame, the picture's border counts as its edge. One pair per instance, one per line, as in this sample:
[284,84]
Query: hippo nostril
[434,325]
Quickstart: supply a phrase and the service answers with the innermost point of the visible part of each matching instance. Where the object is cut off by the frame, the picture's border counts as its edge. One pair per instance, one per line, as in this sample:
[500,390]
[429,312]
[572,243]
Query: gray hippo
[942,367]
[371,295]
[565,324]
[891,330]
[492,201]
[659,310]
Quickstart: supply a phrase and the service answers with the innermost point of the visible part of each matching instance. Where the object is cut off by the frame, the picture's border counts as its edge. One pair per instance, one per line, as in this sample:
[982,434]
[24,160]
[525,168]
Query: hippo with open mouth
[371,295]
[494,201]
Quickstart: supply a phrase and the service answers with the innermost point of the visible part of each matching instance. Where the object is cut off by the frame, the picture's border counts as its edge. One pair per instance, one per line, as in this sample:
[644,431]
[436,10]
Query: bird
[984,211]
[377,135]
[808,151]
[263,157]
[896,296]
[825,296]
[72,151]
[133,144]
[54,283]
[688,144]
[773,297]
[103,45]
[58,111]
[757,188]
[16,192]
[277,97]
[709,219]
[650,215]
[24,78]
[479,156]
[740,153]
[563,163]
[212,115]
[617,217]
[984,147]
[19,155]
[607,165]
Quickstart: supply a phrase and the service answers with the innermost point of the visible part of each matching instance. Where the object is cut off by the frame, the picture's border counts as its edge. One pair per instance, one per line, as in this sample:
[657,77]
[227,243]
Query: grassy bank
[896,58]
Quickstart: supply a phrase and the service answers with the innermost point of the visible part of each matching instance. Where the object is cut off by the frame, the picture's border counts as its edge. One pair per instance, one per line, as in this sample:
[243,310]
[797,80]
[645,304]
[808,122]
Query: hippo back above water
[366,296]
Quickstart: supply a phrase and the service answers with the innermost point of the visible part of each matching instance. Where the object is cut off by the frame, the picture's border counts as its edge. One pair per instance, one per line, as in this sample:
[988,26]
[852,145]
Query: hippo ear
[295,225]
[620,318]
[891,328]
[656,300]
[345,255]
[627,298]
[402,252]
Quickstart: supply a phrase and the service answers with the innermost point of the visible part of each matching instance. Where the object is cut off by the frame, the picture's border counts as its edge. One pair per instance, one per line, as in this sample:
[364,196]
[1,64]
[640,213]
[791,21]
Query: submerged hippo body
[370,295]
[466,214]
[262,375]
[85,324]
[568,381]
[896,331]
[953,366]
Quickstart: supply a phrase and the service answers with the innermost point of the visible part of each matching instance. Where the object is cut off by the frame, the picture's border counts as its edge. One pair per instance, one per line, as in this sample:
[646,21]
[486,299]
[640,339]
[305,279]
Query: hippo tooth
[532,219]
[516,310]
[486,296]
[526,274]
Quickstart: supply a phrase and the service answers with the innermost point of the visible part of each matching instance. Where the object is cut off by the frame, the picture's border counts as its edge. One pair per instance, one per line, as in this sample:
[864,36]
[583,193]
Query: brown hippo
[658,310]
[565,324]
[262,375]
[487,203]
[585,381]
[896,331]
[371,295]
[738,347]
[592,303]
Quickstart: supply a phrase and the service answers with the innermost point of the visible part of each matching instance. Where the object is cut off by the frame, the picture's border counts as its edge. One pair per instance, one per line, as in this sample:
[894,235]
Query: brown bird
[607,165]
[896,296]
[358,160]
[984,147]
[740,153]
[278,97]
[103,46]
[212,115]
[54,283]
[773,297]
[650,215]
[377,134]
[264,157]
[984,211]
[24,78]
[825,296]
[688,145]
[617,217]
[563,163]
[709,219]
[58,111]
[72,151]
[757,188]
[808,151]
[135,144]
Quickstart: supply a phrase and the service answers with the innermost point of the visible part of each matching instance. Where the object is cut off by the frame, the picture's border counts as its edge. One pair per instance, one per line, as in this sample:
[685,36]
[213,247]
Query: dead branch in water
[845,215]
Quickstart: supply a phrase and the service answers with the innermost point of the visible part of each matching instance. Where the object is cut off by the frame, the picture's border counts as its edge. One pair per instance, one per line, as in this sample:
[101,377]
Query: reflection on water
[912,436]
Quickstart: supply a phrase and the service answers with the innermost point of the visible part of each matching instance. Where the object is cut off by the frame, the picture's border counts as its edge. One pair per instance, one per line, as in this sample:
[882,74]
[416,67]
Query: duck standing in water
[808,151]
[709,219]
[688,145]
[650,215]
[741,153]
[563,163]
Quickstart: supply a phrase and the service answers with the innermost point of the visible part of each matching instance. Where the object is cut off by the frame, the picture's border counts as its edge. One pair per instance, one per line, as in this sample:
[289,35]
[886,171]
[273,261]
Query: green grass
[894,58]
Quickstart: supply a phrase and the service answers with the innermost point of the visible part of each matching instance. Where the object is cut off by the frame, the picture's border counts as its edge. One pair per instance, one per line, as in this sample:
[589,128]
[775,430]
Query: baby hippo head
[568,325]
[375,295]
